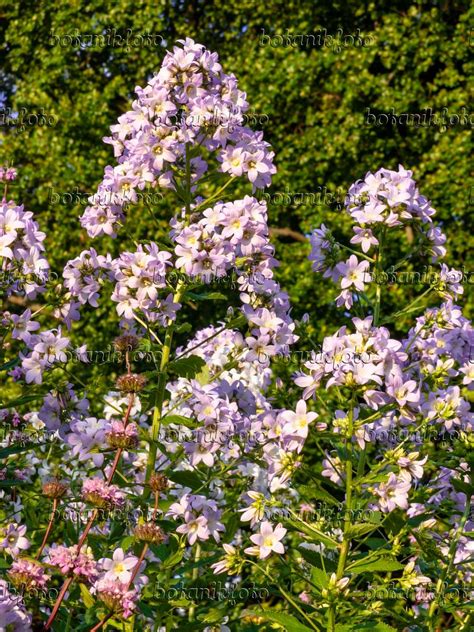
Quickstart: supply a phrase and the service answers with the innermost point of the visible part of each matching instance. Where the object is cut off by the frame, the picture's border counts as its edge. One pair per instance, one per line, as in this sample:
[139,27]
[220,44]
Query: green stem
[147,328]
[378,291]
[331,619]
[160,394]
[165,354]
[215,195]
[356,252]
[409,307]
[346,540]
[348,500]
[449,565]
[288,598]
[194,576]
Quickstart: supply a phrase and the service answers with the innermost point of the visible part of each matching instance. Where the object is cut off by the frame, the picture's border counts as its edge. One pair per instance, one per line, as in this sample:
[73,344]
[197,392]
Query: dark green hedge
[311,94]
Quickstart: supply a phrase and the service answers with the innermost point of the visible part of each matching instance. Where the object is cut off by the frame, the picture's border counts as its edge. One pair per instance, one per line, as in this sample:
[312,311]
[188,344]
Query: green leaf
[356,530]
[395,521]
[461,486]
[375,543]
[187,367]
[127,542]
[180,420]
[204,376]
[312,532]
[317,560]
[21,400]
[367,626]
[287,621]
[16,449]
[180,603]
[12,483]
[376,626]
[381,564]
[186,478]
[213,615]
[319,577]
[207,296]
[166,525]
[315,493]
[10,364]
[173,559]
[147,610]
[184,328]
[87,598]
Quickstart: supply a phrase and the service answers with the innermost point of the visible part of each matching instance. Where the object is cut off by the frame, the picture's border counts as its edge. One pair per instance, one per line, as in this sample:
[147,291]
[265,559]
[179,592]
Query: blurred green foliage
[311,92]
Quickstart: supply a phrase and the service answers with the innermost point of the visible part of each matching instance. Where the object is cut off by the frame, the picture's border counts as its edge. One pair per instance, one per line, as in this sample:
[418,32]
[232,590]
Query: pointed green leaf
[187,367]
[381,564]
[186,478]
[87,598]
[287,621]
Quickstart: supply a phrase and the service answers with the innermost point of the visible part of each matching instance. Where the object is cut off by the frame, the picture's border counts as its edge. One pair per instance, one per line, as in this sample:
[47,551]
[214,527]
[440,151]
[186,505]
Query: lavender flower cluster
[227,486]
[172,120]
[383,200]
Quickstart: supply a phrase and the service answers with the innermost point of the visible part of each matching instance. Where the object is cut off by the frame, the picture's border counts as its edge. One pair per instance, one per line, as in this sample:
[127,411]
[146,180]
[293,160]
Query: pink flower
[393,493]
[99,493]
[410,466]
[69,561]
[28,574]
[116,596]
[195,528]
[230,563]
[365,238]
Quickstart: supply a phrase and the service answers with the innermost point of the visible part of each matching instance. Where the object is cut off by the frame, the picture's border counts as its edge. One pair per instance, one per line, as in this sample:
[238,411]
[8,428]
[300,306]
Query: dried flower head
[28,574]
[127,342]
[131,383]
[158,482]
[149,532]
[54,489]
[122,436]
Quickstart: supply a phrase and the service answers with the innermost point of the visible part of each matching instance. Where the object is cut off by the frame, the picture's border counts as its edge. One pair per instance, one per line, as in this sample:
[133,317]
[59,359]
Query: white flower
[298,422]
[256,511]
[119,567]
[267,540]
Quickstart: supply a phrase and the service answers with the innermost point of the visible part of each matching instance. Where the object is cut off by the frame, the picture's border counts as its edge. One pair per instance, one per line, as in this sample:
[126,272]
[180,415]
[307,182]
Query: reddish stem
[155,508]
[145,547]
[118,454]
[137,566]
[101,623]
[88,527]
[48,528]
[86,530]
[57,605]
